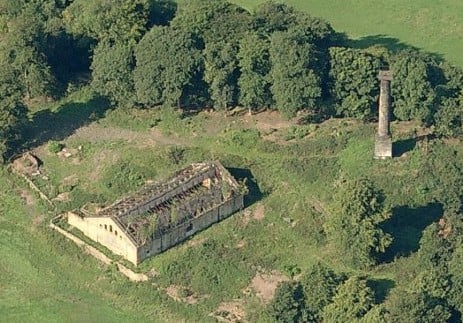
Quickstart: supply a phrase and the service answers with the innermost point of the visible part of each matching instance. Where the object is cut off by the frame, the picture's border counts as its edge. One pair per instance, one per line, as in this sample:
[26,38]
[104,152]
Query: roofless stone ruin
[163,214]
[383,140]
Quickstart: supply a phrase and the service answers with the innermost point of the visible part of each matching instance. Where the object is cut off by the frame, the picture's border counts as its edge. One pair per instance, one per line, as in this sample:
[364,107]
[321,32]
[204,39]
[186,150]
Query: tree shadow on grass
[401,147]
[390,43]
[57,125]
[255,194]
[406,226]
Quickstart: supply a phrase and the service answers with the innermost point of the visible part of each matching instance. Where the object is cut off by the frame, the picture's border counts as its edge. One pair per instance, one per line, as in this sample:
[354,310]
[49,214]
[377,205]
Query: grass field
[291,171]
[433,26]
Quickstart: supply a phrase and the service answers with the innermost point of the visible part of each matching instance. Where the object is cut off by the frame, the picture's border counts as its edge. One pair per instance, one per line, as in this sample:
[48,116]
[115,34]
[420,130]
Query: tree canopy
[353,225]
[168,59]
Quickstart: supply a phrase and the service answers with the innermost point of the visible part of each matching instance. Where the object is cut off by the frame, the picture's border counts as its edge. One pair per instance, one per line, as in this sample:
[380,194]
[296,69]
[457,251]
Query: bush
[299,132]
[55,146]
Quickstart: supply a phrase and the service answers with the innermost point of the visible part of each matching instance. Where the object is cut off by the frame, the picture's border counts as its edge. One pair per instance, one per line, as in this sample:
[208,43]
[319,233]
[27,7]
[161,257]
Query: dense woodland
[147,54]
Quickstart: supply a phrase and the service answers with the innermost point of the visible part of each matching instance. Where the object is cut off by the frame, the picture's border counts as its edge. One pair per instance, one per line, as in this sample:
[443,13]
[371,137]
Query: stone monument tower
[383,140]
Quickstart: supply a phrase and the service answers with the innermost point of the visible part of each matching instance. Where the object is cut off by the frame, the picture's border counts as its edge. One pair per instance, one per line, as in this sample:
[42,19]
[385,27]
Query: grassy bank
[291,170]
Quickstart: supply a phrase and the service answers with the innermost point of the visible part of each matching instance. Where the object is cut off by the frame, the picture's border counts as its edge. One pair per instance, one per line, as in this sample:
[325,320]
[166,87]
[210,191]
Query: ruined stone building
[163,214]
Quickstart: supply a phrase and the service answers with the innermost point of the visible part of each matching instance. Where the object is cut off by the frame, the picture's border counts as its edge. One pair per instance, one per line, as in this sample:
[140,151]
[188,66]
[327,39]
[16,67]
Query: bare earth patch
[27,197]
[30,201]
[175,292]
[259,212]
[270,124]
[96,133]
[62,197]
[231,312]
[265,284]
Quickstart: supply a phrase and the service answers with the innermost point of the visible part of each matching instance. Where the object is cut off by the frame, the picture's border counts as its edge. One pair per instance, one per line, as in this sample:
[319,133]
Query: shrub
[55,146]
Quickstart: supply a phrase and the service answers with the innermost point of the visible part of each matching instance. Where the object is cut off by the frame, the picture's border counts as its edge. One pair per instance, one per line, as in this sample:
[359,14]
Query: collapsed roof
[161,206]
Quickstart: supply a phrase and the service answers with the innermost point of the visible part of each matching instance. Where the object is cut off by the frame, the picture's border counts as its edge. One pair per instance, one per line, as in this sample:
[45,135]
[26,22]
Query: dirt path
[263,121]
[153,137]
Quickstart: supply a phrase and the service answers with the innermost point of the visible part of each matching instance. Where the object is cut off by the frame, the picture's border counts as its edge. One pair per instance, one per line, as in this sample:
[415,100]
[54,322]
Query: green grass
[434,26]
[46,278]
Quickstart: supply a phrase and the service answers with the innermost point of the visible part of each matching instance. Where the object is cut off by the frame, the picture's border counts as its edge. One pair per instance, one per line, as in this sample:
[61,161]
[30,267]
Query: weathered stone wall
[231,206]
[106,232]
[187,229]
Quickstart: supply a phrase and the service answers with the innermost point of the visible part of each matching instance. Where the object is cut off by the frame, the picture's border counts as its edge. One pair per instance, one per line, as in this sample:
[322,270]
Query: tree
[254,63]
[446,176]
[352,301]
[108,20]
[319,284]
[12,111]
[168,60]
[354,84]
[222,73]
[214,21]
[271,16]
[412,93]
[353,226]
[449,117]
[406,306]
[287,304]
[112,68]
[22,46]
[456,278]
[295,85]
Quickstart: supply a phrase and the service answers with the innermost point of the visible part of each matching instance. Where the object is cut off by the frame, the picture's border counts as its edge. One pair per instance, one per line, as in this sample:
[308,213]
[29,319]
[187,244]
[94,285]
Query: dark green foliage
[112,68]
[168,60]
[446,176]
[254,63]
[214,21]
[313,30]
[319,284]
[452,83]
[221,73]
[55,146]
[116,21]
[352,226]
[456,278]
[413,96]
[352,301]
[406,306]
[288,303]
[161,12]
[449,117]
[295,85]
[21,47]
[272,16]
[12,111]
[354,84]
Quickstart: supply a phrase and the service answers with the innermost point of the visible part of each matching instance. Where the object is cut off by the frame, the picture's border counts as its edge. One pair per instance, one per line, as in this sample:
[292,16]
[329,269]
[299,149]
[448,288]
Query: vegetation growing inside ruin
[335,233]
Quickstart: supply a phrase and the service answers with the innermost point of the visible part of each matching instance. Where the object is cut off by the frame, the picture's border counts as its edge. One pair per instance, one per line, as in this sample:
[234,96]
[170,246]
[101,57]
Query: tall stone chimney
[383,140]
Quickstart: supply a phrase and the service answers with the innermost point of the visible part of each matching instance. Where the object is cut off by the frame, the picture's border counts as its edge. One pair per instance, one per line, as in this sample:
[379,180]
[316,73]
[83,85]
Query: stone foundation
[383,147]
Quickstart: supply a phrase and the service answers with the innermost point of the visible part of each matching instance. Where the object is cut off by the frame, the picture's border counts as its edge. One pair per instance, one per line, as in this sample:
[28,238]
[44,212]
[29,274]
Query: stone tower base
[383,147]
